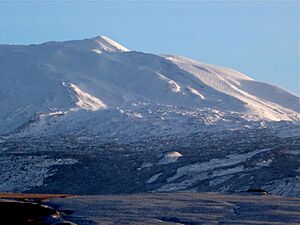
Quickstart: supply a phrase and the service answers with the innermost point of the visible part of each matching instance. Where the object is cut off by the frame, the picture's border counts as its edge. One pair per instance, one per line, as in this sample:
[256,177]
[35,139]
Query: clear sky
[258,38]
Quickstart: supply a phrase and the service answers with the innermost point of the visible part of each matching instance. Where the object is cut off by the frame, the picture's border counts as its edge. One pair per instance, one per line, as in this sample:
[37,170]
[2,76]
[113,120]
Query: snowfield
[92,109]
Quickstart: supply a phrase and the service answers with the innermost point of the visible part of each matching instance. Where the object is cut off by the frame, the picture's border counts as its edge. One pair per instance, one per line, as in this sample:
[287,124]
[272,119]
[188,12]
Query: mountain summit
[97,44]
[98,79]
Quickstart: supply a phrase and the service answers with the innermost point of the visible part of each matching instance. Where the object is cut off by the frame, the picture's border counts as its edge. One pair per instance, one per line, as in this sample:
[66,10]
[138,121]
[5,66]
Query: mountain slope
[74,78]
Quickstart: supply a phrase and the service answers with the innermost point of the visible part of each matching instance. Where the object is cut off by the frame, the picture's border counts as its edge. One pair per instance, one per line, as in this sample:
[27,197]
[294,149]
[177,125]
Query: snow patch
[169,157]
[154,178]
[195,92]
[87,101]
[172,84]
[109,45]
[145,165]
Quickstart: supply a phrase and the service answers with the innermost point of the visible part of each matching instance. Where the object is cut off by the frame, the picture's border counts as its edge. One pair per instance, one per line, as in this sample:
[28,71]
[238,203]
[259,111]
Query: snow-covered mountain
[92,117]
[44,87]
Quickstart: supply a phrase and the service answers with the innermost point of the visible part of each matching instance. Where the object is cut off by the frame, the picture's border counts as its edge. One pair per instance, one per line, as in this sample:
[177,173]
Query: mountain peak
[97,44]
[106,44]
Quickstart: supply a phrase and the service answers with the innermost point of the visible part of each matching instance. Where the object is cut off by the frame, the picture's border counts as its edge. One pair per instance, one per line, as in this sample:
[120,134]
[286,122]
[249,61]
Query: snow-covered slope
[58,86]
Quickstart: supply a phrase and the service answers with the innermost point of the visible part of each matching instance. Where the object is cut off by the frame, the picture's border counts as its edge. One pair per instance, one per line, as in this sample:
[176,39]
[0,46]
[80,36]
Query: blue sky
[258,38]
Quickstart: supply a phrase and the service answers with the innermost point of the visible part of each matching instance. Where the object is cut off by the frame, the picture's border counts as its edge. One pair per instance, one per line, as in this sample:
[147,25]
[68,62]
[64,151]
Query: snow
[86,82]
[169,157]
[154,178]
[243,88]
[182,185]
[230,160]
[196,172]
[195,92]
[145,165]
[87,101]
[99,44]
[21,173]
[109,45]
